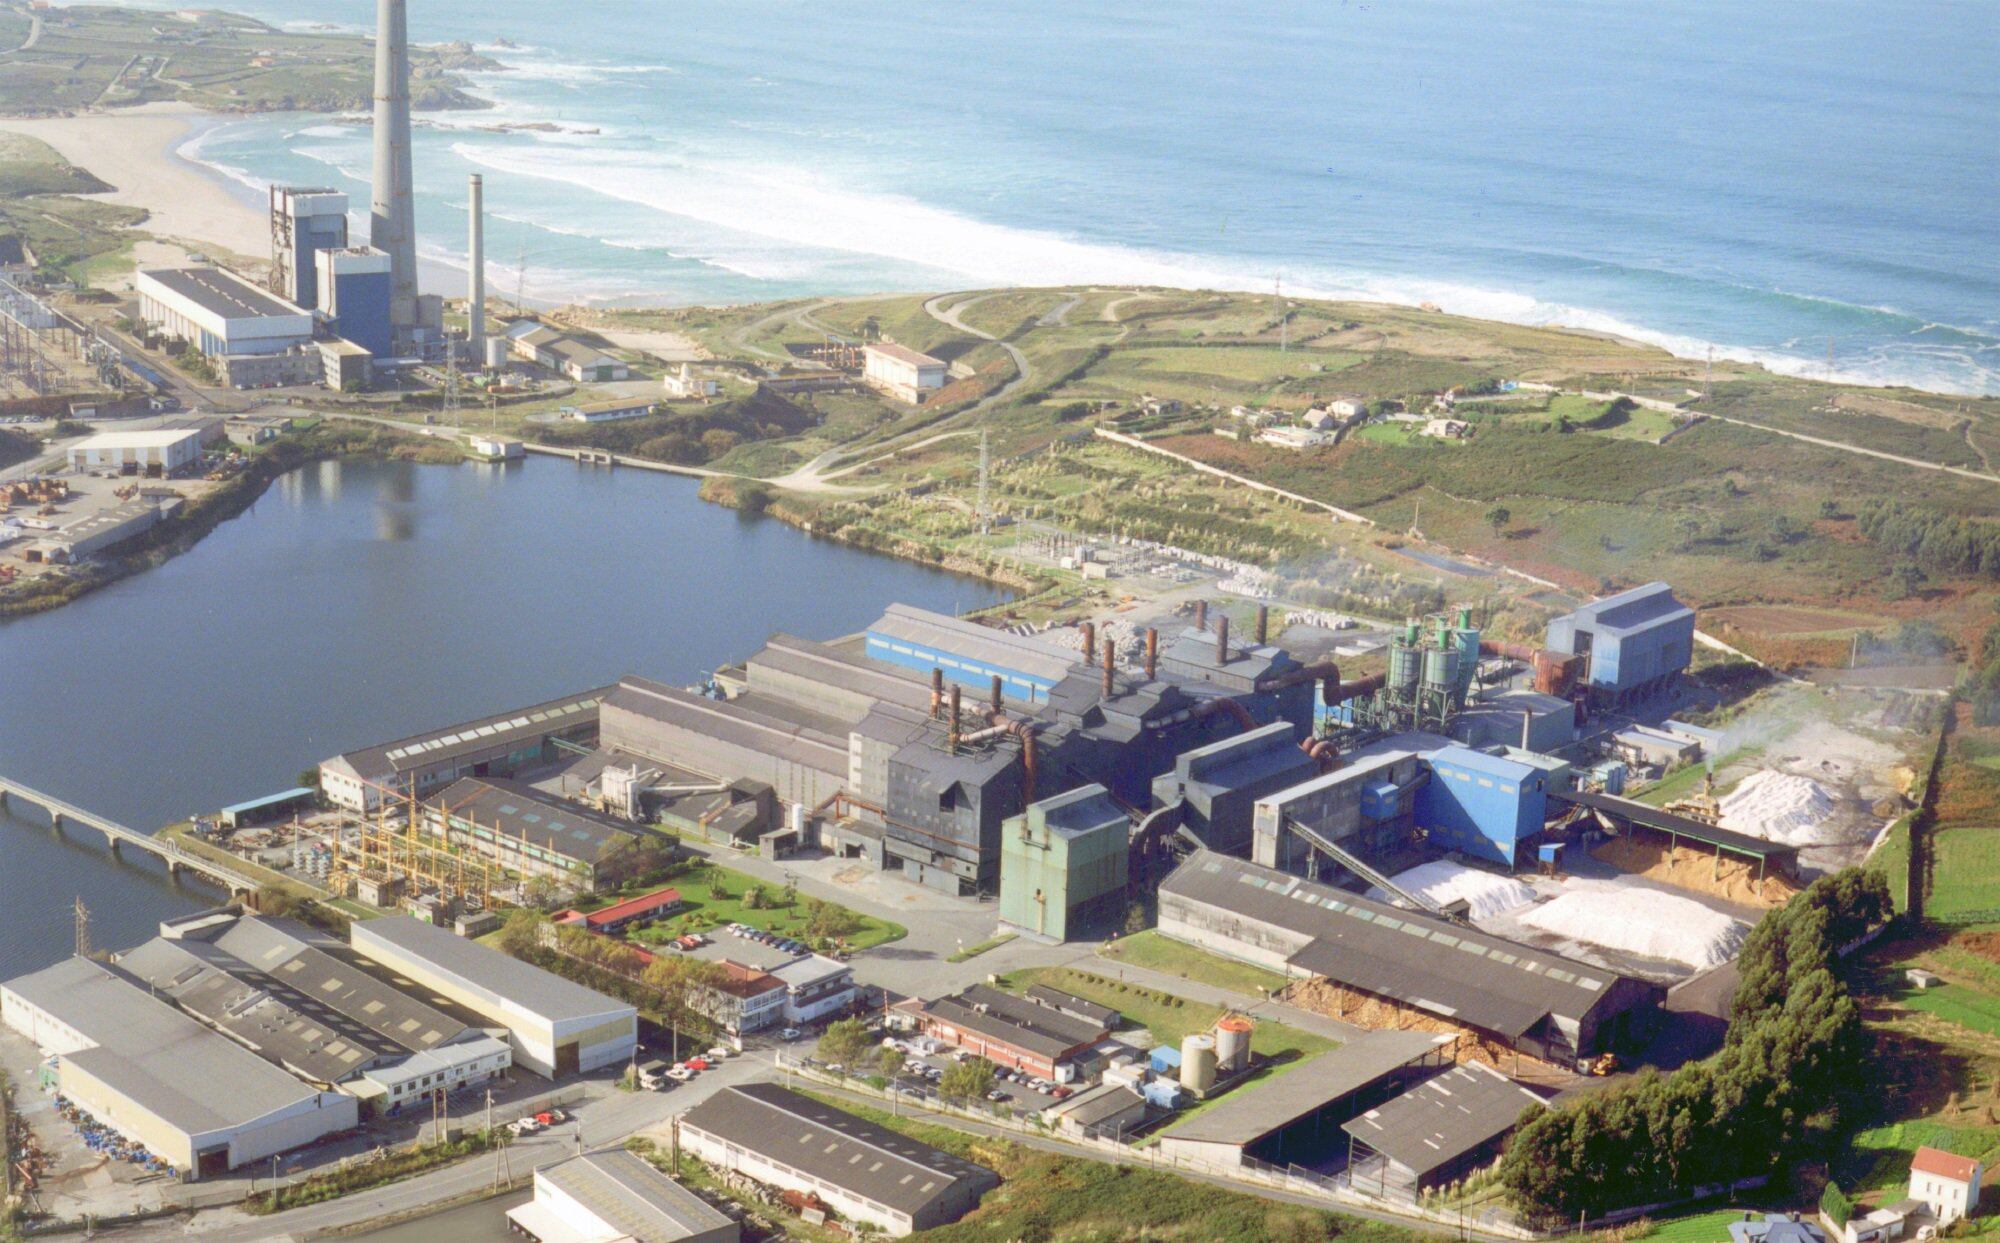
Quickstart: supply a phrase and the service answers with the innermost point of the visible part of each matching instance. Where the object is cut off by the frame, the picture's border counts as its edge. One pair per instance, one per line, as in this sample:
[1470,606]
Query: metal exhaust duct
[1089,642]
[996,692]
[1152,651]
[1110,655]
[1222,639]
[1201,614]
[1263,624]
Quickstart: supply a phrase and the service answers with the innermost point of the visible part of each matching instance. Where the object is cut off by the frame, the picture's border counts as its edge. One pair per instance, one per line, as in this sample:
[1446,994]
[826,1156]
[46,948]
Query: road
[949,316]
[1847,447]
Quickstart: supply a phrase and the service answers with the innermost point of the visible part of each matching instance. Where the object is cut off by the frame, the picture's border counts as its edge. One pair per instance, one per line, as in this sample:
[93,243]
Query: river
[359,601]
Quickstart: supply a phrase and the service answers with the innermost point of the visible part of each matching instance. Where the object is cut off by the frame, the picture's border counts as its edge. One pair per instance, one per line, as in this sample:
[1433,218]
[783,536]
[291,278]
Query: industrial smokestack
[1201,614]
[996,692]
[1152,651]
[1089,643]
[475,281]
[1222,639]
[1263,624]
[951,737]
[1110,655]
[1527,729]
[937,692]
[392,225]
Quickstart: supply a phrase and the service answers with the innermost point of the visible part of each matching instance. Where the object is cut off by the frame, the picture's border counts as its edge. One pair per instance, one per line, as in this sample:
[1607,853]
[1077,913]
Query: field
[1151,950]
[1167,1018]
[1710,1227]
[715,899]
[31,166]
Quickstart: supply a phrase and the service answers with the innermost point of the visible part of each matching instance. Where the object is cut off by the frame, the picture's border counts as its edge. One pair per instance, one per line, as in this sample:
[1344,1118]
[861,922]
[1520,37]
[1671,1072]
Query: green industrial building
[1062,865]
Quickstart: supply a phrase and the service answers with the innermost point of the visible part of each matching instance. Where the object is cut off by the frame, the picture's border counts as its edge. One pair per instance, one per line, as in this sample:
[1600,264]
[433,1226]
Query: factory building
[800,753]
[295,998]
[1637,641]
[1437,1132]
[96,532]
[495,746]
[1217,786]
[1282,688]
[557,1028]
[165,451]
[865,1173]
[250,337]
[559,352]
[1525,998]
[1366,806]
[901,372]
[139,1066]
[353,285]
[1062,865]
[1017,1033]
[533,834]
[970,654]
[304,222]
[1296,1118]
[615,1196]
[1523,719]
[1482,805]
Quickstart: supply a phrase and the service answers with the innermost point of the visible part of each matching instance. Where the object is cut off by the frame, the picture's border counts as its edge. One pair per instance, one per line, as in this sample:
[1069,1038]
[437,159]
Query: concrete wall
[1232,936]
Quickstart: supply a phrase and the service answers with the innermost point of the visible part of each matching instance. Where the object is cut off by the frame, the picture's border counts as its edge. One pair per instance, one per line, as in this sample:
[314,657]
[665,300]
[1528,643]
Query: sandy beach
[133,150]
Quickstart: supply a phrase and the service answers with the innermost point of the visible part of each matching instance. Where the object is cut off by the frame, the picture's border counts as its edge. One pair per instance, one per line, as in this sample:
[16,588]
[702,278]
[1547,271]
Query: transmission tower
[82,928]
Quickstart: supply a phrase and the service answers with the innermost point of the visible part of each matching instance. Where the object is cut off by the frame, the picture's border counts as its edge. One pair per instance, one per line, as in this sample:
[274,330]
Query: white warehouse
[253,338]
[901,372]
[164,452]
[556,1027]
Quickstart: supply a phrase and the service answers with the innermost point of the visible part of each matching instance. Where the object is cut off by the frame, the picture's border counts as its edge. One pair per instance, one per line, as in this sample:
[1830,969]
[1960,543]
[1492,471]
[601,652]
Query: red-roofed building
[744,1000]
[1946,1182]
[615,918]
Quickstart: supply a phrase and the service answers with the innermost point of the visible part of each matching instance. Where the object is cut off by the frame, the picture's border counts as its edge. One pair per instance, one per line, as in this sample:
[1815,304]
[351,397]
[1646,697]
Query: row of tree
[1936,539]
[1772,1093]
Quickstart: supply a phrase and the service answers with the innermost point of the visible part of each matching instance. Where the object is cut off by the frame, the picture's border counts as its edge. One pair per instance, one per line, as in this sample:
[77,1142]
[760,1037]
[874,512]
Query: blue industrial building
[1638,641]
[304,221]
[1482,805]
[970,654]
[354,295]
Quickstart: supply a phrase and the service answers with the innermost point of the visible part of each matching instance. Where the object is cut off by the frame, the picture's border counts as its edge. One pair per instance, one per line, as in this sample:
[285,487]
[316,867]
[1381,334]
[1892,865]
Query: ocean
[1802,184]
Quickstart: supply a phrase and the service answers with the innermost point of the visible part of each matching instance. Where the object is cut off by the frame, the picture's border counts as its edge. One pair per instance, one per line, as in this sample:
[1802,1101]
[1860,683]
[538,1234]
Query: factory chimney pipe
[1110,655]
[937,692]
[475,281]
[1527,728]
[951,733]
[996,692]
[391,215]
[1201,614]
[1089,643]
[1222,639]
[1152,651]
[1263,624]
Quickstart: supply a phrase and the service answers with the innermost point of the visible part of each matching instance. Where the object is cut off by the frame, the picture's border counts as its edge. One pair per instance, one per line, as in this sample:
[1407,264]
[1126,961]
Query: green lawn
[1965,877]
[1158,953]
[1710,1227]
[714,898]
[1955,1003]
[1168,1018]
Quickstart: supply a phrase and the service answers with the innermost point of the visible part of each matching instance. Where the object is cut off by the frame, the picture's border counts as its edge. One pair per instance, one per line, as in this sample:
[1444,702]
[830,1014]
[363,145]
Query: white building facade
[901,372]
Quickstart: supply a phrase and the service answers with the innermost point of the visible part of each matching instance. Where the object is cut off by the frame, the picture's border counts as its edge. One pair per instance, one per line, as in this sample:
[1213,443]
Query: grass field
[1151,950]
[714,897]
[1709,1227]
[1965,877]
[1979,1011]
[1167,1018]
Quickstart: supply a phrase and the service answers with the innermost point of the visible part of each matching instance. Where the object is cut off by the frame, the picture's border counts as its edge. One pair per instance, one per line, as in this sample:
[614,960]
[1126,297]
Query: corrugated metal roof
[532,989]
[903,354]
[835,1146]
[1250,1113]
[514,809]
[635,1200]
[1024,1024]
[753,722]
[984,645]
[500,730]
[1445,968]
[1443,1118]
[1637,608]
[1667,822]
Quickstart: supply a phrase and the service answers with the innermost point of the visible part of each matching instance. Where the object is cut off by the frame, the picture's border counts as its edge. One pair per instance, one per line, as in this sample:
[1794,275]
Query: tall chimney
[1110,655]
[1222,639]
[951,736]
[937,691]
[1527,729]
[392,225]
[1089,642]
[996,692]
[475,280]
[1263,624]
[1152,651]
[1201,614]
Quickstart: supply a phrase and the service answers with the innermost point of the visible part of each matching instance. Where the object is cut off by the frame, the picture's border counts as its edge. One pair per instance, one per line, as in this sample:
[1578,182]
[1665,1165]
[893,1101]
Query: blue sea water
[1770,179]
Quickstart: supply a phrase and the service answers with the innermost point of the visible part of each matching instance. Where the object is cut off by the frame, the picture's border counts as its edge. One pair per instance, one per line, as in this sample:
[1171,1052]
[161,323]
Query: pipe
[951,733]
[1322,752]
[996,692]
[937,691]
[1263,624]
[1089,642]
[1110,657]
[1223,704]
[1507,651]
[1527,728]
[1152,652]
[1201,614]
[1358,688]
[1325,670]
[1222,639]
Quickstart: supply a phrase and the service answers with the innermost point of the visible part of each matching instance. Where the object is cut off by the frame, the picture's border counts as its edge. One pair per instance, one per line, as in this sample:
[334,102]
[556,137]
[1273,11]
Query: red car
[697,1063]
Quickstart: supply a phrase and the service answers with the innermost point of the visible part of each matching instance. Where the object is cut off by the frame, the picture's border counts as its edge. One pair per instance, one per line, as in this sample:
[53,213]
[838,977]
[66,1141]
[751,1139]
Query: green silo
[1062,865]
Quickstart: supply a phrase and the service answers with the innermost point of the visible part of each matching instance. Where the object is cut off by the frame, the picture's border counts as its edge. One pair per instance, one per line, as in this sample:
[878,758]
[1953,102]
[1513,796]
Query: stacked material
[1783,808]
[1645,922]
[1442,883]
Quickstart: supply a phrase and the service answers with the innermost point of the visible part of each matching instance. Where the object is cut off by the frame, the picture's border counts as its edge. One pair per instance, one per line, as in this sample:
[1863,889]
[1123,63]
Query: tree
[1835,1204]
[1688,527]
[889,1061]
[753,898]
[843,1043]
[969,1080]
[1906,579]
[1498,517]
[828,920]
[683,987]
[1829,509]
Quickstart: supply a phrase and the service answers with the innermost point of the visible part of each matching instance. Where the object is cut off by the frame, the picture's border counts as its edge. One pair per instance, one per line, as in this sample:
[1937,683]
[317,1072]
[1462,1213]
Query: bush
[1835,1204]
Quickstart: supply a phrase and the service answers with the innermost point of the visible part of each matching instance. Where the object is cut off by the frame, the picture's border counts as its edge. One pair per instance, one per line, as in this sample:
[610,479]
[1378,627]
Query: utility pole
[82,928]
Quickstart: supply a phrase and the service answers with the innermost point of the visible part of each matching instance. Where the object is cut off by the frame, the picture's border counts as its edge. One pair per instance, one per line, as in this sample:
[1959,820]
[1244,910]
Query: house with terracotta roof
[619,915]
[745,999]
[1947,1183]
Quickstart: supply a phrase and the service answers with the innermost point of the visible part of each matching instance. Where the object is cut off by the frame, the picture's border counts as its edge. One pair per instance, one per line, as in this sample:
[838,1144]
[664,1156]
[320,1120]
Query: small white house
[1447,429]
[497,448]
[1318,419]
[1348,407]
[902,372]
[1947,1183]
[685,384]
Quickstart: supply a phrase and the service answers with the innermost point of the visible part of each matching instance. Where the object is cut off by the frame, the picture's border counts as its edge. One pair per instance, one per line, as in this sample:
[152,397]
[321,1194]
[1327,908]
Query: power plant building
[1637,641]
[141,1067]
[557,1028]
[969,654]
[167,451]
[304,222]
[354,297]
[252,338]
[1482,805]
[901,372]
[1217,786]
[1063,865]
[495,746]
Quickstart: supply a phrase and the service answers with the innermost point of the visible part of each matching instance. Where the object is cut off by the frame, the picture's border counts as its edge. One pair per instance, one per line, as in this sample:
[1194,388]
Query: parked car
[718,1054]
[790,1033]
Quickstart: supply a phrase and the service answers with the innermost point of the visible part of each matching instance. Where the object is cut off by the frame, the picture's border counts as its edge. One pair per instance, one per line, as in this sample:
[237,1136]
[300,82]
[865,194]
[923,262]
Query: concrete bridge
[119,836]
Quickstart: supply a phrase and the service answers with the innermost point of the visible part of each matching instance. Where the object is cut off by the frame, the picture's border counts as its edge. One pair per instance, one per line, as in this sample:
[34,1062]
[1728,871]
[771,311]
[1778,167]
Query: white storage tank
[1232,1043]
[1198,1063]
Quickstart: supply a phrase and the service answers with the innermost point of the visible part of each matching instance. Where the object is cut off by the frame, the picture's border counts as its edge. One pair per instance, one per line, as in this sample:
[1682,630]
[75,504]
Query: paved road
[936,309]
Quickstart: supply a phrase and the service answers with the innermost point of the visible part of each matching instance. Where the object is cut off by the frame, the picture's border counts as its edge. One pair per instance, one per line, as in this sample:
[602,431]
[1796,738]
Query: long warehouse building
[141,1067]
[557,1027]
[252,338]
[495,746]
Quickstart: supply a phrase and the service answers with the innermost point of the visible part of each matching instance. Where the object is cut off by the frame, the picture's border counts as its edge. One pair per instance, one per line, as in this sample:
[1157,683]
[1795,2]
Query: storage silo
[1198,1063]
[1232,1043]
[1403,669]
[1440,669]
